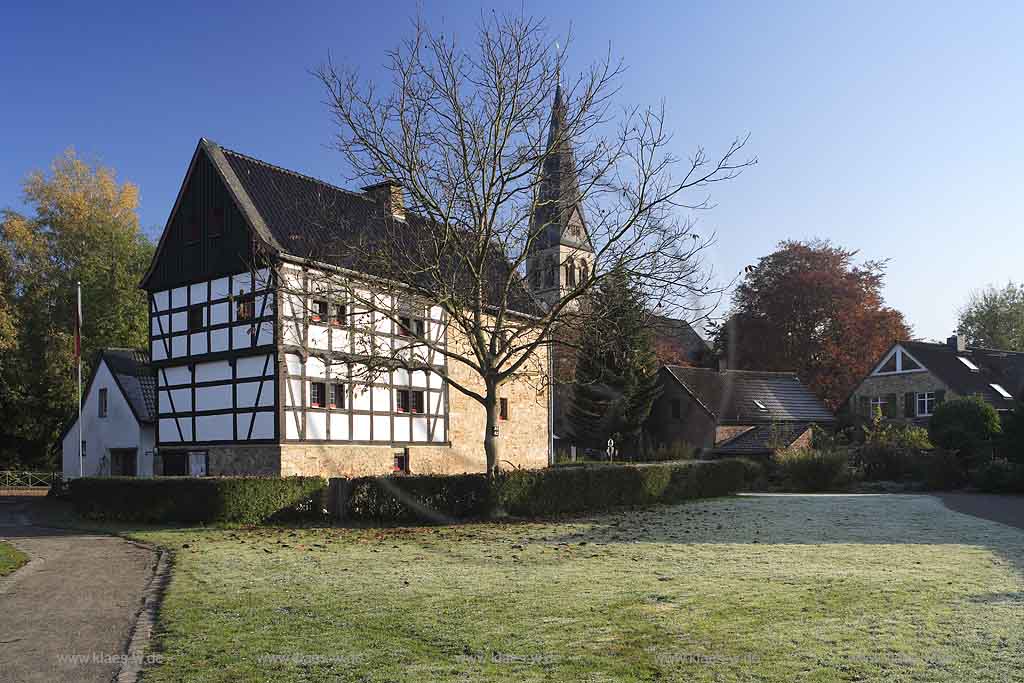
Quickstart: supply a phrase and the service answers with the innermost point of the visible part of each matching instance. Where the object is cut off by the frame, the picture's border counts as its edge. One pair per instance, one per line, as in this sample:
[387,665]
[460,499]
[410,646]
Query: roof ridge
[787,373]
[943,345]
[289,171]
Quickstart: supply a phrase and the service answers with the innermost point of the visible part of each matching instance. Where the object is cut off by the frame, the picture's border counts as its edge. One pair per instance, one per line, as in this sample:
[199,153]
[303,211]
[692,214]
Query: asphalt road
[68,614]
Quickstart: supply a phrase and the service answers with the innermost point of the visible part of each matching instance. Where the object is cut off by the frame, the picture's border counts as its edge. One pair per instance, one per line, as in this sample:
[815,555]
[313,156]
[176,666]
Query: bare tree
[464,131]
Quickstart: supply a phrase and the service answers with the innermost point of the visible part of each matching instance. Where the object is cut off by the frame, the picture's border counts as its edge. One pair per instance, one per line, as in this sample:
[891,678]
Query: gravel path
[68,614]
[1007,510]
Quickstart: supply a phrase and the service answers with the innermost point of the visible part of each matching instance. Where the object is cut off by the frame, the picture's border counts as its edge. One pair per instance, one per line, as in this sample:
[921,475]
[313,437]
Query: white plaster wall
[118,430]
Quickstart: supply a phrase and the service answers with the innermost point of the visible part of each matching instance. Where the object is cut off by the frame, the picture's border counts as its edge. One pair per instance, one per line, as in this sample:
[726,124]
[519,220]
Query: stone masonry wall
[252,460]
[897,385]
[523,438]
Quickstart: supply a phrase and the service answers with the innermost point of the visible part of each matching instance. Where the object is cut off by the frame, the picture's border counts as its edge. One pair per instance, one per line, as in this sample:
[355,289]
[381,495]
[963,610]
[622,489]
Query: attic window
[192,230]
[1002,392]
[970,366]
[760,406]
[216,221]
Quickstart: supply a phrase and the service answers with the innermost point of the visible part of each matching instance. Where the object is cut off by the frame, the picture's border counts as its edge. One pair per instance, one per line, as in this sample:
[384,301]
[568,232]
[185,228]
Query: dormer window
[1001,391]
[967,362]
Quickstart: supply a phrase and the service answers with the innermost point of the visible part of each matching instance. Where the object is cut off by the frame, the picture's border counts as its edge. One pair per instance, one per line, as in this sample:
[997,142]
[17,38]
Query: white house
[118,426]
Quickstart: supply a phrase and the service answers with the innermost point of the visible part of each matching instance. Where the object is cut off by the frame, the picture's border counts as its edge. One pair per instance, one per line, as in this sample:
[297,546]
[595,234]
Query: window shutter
[865,406]
[910,404]
[940,396]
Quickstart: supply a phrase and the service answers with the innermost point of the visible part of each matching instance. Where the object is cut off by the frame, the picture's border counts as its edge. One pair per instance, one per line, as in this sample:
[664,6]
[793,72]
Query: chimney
[388,194]
[958,343]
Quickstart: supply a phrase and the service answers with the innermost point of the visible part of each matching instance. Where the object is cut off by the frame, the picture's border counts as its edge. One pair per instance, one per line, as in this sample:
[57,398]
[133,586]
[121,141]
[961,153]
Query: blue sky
[891,128]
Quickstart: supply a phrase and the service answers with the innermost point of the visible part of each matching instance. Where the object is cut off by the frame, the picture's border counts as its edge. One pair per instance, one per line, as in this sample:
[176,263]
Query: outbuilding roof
[751,397]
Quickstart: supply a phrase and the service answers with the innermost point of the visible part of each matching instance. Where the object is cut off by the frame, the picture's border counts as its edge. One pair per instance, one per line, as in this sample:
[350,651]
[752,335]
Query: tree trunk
[491,442]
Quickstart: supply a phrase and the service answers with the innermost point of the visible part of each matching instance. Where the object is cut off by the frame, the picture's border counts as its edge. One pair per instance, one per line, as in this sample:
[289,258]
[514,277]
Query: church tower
[561,255]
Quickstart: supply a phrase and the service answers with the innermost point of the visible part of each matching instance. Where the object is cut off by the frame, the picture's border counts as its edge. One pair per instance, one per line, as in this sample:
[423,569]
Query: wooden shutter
[910,404]
[940,396]
[864,406]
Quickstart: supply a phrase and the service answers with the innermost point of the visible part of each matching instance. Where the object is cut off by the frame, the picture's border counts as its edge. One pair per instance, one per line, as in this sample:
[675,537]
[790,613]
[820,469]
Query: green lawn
[785,588]
[10,558]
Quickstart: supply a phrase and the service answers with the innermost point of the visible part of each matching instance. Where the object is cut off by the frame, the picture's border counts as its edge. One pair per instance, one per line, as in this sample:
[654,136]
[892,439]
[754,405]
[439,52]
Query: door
[123,462]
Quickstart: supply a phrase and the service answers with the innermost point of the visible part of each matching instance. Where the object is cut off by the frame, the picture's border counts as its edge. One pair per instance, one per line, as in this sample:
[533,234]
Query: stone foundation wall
[352,460]
[252,460]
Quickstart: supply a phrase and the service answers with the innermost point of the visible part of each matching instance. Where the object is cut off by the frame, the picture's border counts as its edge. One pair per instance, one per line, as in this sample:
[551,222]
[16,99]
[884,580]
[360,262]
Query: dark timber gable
[206,237]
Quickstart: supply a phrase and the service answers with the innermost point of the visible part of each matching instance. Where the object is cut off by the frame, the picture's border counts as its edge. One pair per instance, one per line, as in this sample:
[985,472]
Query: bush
[555,491]
[409,499]
[235,500]
[967,426]
[940,471]
[887,451]
[810,469]
[755,474]
[680,450]
[1000,477]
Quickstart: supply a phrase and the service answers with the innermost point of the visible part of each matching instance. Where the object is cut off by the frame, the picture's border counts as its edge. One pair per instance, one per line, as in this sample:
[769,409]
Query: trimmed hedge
[234,500]
[530,493]
[425,498]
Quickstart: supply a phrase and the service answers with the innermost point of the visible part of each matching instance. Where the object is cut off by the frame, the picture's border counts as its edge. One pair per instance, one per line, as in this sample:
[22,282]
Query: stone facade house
[260,357]
[912,378]
[734,412]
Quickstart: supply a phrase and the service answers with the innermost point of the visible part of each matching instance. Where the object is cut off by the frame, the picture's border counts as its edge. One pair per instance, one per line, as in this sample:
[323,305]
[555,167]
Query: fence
[19,483]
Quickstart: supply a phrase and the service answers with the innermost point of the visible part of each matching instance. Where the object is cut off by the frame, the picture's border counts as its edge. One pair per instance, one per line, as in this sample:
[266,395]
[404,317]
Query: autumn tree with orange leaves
[810,308]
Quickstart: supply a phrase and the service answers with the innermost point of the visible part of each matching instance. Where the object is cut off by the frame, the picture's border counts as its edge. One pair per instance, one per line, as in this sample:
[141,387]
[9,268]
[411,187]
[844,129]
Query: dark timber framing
[435,389]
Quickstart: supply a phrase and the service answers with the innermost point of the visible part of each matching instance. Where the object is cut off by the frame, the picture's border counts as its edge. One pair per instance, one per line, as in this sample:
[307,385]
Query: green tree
[994,318]
[1012,442]
[967,425]
[84,227]
[616,367]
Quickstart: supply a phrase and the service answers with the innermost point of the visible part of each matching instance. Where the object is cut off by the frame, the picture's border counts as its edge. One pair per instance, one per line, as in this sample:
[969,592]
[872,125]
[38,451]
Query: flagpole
[78,358]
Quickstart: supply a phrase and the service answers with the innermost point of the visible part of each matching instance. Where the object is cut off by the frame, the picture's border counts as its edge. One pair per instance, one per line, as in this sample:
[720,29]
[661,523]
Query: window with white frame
[925,403]
[898,361]
[879,403]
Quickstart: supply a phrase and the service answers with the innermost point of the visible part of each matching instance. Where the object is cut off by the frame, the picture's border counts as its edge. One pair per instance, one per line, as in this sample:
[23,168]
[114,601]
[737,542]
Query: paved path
[1005,509]
[76,600]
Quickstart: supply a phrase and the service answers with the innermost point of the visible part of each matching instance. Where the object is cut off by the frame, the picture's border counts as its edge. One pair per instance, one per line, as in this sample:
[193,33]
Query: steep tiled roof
[764,438]
[1005,368]
[134,375]
[310,218]
[732,396]
[676,341]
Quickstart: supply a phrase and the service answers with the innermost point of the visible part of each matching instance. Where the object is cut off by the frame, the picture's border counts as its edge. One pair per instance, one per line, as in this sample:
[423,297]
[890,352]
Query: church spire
[559,212]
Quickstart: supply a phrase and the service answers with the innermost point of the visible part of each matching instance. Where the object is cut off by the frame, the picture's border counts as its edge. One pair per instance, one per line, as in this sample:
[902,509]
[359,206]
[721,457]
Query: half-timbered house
[258,361]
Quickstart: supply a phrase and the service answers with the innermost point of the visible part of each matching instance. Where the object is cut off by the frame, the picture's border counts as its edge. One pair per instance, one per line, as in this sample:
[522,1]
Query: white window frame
[878,402]
[928,397]
[899,352]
